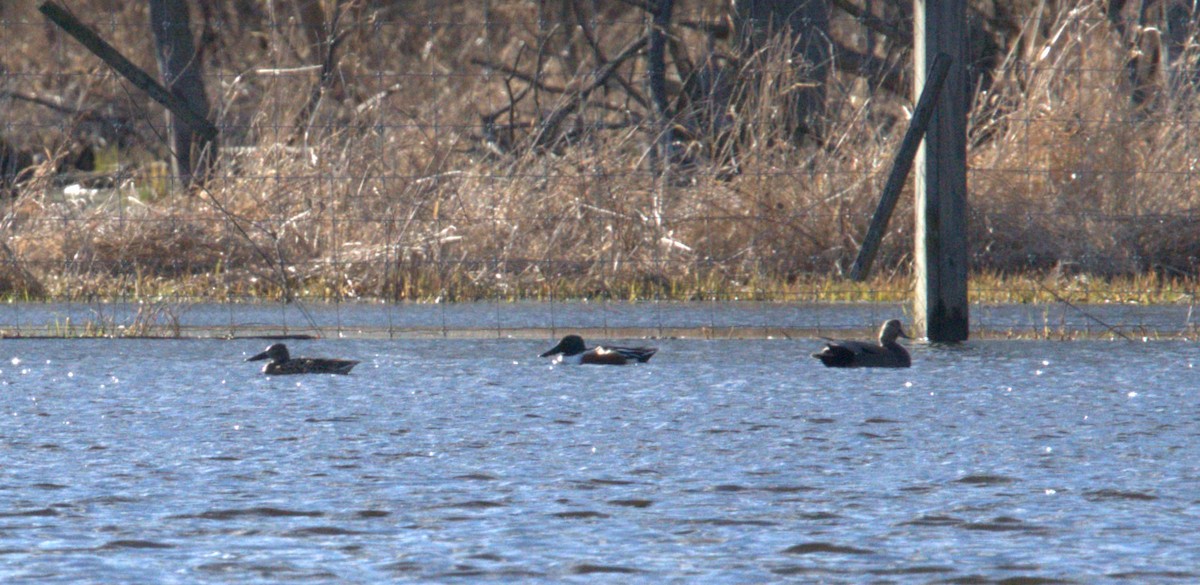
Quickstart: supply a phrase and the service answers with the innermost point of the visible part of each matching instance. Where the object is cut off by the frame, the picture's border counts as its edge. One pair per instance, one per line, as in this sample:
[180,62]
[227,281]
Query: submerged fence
[495,150]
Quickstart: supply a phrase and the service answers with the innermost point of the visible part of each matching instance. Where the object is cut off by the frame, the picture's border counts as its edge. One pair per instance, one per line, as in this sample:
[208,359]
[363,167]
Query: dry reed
[391,191]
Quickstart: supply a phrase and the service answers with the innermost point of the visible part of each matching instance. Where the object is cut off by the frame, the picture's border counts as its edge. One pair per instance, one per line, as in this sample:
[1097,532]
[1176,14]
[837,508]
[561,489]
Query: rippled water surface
[719,461]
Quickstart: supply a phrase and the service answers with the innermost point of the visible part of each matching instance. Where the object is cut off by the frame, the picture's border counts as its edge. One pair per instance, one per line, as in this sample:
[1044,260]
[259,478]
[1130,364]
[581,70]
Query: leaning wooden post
[940,250]
[900,168]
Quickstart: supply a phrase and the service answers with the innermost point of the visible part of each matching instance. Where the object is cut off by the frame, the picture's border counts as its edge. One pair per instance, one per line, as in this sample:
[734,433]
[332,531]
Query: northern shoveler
[860,354]
[282,363]
[573,351]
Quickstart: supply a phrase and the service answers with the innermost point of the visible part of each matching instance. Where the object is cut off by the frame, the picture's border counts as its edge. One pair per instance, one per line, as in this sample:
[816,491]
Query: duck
[572,350]
[863,354]
[283,364]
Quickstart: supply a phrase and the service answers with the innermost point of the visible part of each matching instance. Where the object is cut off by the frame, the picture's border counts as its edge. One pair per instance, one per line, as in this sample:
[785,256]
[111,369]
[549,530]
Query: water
[718,462]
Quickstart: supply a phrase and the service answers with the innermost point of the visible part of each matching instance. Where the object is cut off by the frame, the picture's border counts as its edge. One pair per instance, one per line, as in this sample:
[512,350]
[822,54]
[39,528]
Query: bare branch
[875,23]
[549,128]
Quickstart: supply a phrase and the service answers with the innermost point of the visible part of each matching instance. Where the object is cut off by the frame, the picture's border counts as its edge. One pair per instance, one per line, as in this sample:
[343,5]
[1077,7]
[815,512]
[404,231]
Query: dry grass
[1076,173]
[391,192]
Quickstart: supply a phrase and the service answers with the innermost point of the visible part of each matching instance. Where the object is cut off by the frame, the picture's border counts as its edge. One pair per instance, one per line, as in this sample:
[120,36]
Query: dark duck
[571,350]
[864,354]
[282,363]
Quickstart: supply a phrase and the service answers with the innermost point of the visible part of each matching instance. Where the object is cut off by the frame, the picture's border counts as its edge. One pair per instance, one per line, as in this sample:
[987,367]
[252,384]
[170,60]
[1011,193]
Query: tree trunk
[656,81]
[806,24]
[1157,33]
[181,70]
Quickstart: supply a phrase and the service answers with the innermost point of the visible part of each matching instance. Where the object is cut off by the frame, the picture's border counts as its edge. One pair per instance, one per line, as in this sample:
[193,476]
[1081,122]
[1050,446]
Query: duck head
[276,352]
[890,331]
[570,345]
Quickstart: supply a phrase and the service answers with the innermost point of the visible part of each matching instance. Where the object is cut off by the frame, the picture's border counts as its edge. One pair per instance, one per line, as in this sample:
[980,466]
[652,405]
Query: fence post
[900,167]
[940,240]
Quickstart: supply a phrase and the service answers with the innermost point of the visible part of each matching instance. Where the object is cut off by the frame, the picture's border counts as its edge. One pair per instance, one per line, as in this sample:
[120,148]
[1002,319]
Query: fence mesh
[505,150]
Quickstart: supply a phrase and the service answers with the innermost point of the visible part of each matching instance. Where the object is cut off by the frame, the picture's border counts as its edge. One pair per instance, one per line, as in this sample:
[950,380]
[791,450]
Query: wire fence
[499,151]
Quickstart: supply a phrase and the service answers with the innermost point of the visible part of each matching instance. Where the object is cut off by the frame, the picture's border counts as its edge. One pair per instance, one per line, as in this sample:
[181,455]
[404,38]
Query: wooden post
[940,250]
[900,167]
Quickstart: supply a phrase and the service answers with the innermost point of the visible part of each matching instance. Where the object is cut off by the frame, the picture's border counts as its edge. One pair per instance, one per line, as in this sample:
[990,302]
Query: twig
[513,72]
[52,104]
[551,124]
[1064,301]
[589,35]
[279,71]
[329,66]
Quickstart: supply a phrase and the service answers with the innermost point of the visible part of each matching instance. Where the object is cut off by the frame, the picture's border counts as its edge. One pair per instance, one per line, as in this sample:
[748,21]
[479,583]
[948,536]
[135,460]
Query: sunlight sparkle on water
[694,446]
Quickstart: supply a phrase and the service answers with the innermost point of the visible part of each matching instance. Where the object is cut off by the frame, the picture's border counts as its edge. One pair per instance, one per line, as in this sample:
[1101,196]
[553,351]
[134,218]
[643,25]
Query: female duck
[575,352]
[860,354]
[282,363]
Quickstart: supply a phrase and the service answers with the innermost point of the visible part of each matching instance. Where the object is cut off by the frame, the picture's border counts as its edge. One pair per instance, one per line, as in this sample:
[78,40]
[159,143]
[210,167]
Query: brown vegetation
[419,173]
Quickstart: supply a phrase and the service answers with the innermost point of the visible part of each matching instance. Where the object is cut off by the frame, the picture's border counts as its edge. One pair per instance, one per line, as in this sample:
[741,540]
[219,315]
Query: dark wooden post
[940,253]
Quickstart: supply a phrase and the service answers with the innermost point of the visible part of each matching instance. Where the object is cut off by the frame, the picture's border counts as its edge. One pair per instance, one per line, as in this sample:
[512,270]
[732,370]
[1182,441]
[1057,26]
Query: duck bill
[553,350]
[257,357]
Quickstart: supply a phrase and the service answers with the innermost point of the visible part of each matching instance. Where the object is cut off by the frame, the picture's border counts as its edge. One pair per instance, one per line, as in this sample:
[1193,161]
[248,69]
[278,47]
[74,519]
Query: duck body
[283,364]
[887,353]
[572,350]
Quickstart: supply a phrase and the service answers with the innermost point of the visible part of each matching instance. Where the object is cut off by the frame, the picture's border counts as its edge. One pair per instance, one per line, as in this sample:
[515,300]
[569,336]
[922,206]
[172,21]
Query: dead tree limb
[515,73]
[135,75]
[875,23]
[548,131]
[329,64]
[589,36]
